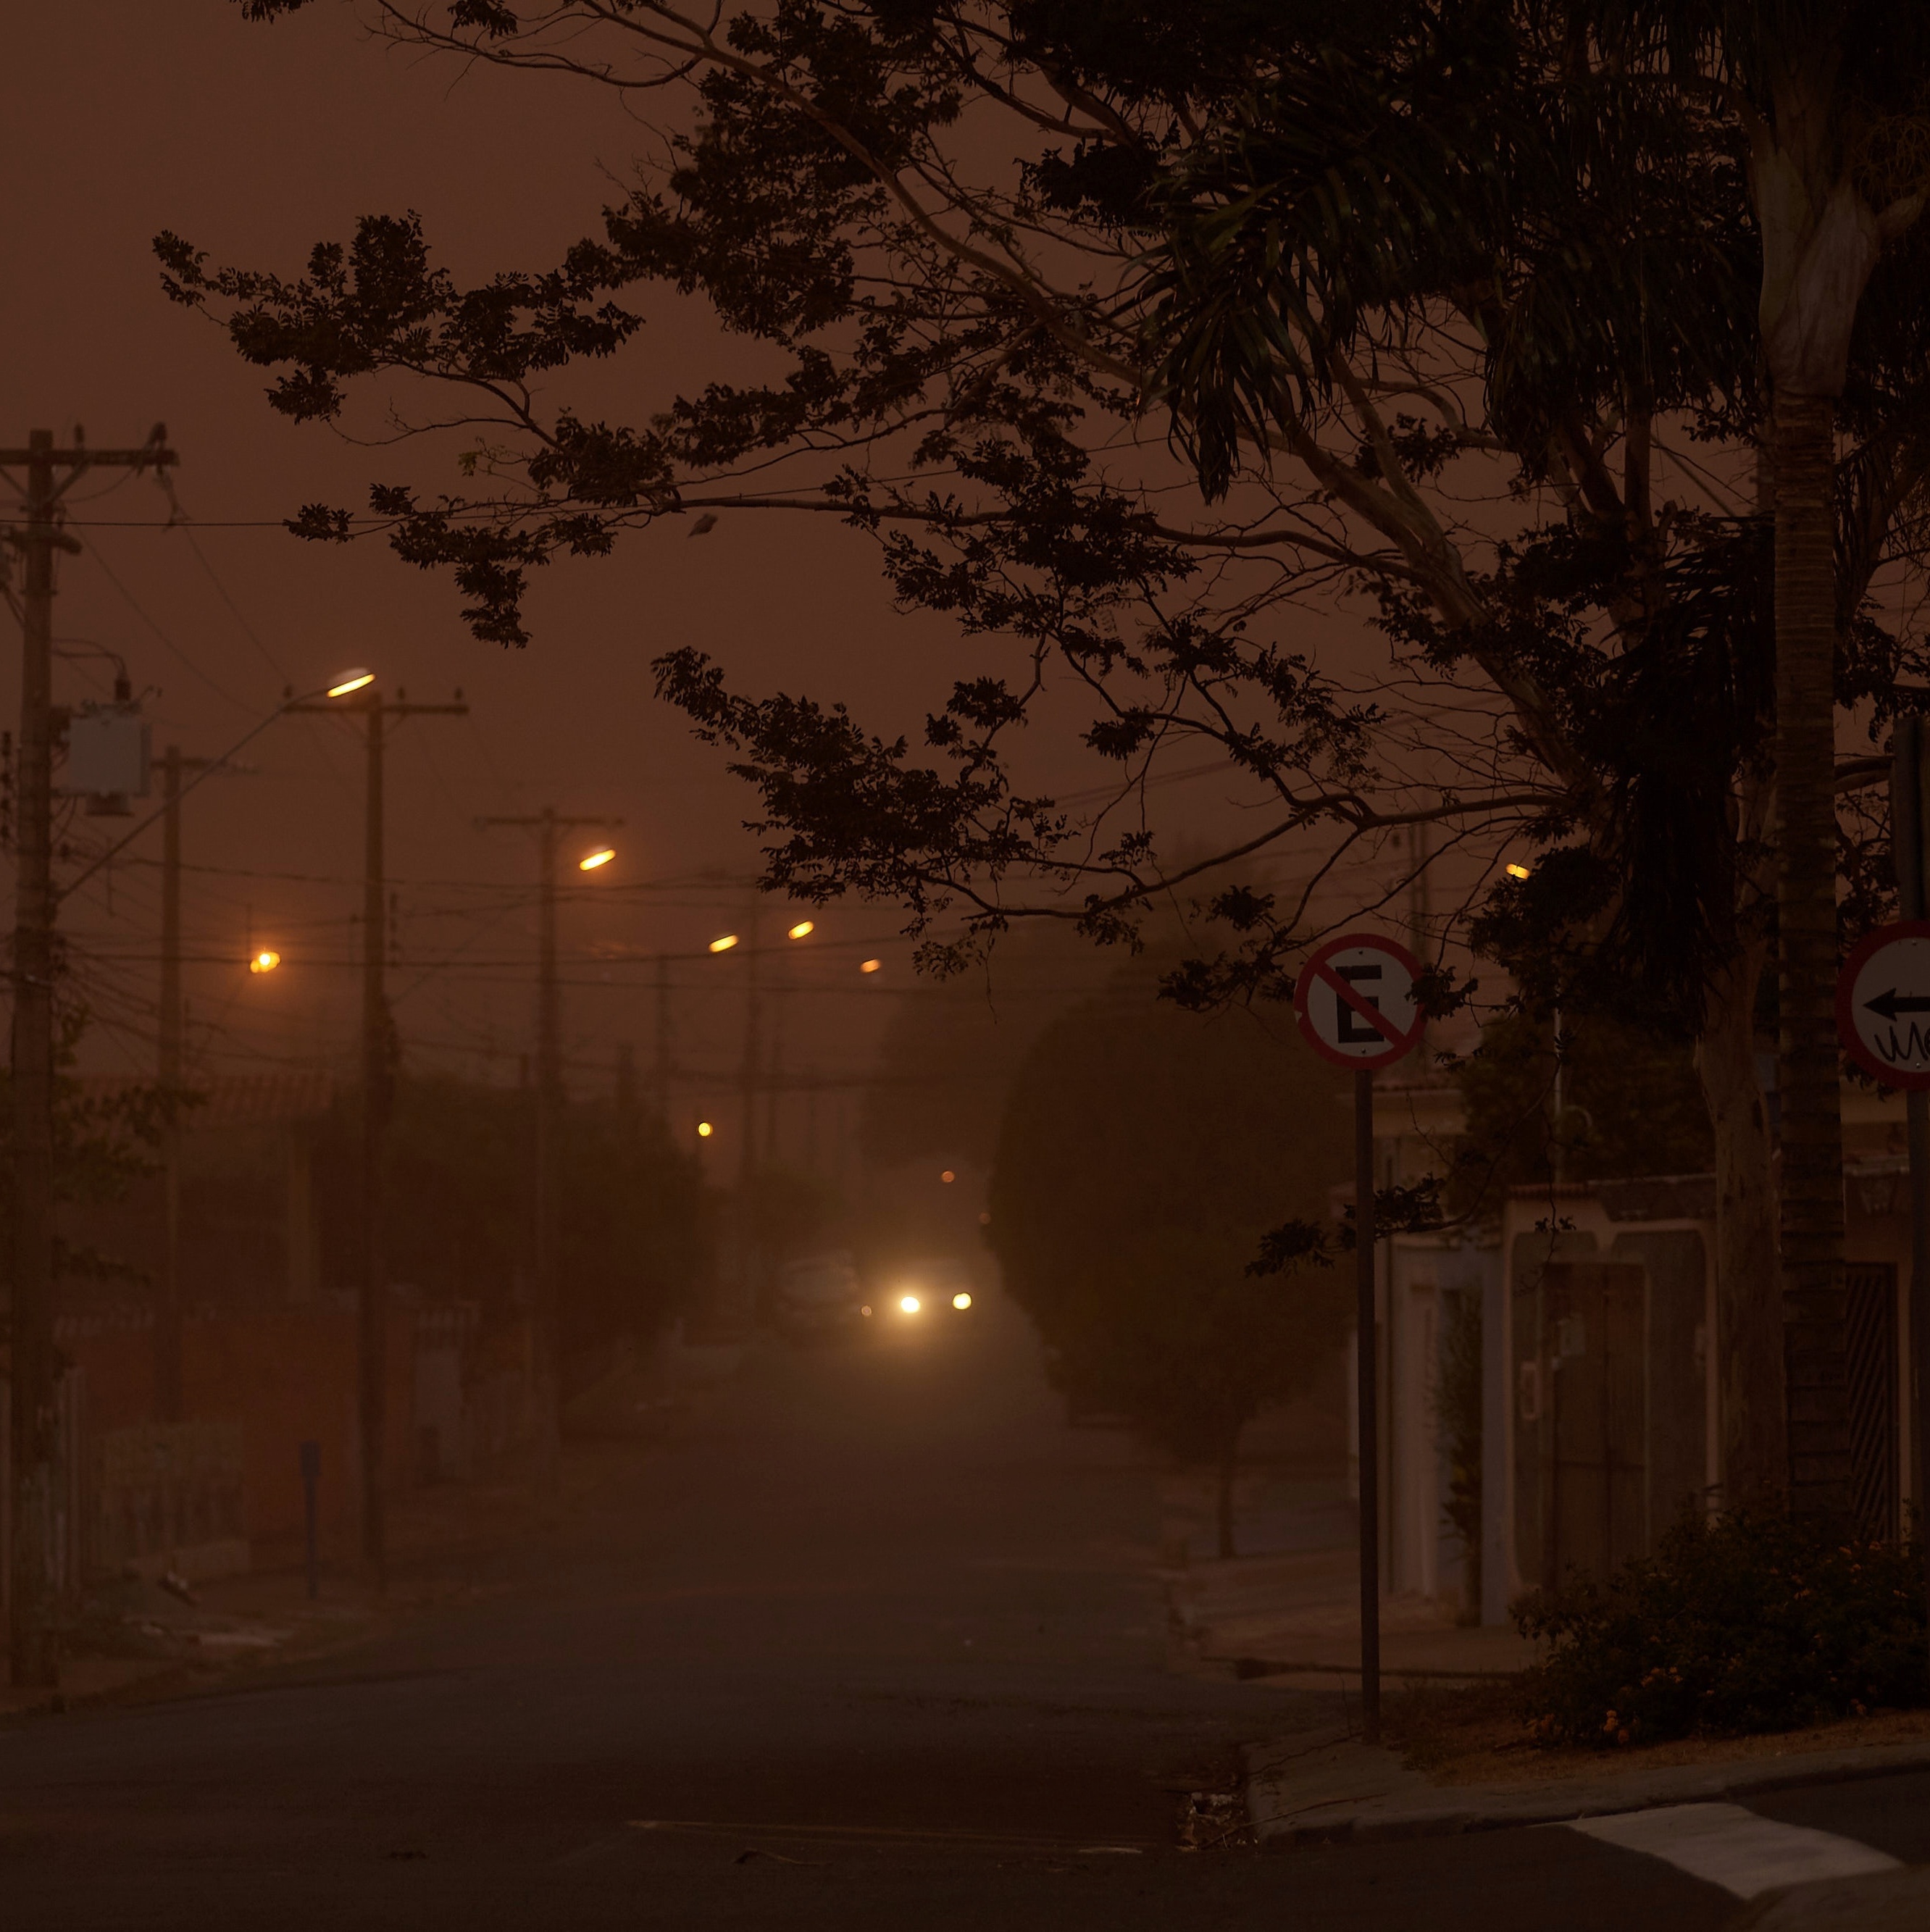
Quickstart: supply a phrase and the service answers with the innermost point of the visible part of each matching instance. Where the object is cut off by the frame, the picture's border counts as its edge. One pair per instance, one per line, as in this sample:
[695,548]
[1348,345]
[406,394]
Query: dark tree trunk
[1810,1210]
[1748,1337]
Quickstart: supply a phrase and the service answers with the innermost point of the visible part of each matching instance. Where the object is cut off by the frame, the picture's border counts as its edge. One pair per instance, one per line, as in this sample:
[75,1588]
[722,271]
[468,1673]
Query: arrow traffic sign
[1883,1004]
[1355,1002]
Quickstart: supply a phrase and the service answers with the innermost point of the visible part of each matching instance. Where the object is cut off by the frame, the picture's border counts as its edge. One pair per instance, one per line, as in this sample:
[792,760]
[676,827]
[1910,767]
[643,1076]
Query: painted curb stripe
[1730,1846]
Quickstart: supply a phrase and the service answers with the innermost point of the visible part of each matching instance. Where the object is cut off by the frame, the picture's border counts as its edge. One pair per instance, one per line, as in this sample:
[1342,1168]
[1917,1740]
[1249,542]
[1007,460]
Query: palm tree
[1830,100]
[1813,101]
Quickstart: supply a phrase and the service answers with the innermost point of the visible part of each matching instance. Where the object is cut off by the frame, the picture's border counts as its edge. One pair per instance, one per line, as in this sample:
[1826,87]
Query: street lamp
[705,1130]
[602,857]
[870,965]
[802,929]
[265,961]
[347,681]
[724,943]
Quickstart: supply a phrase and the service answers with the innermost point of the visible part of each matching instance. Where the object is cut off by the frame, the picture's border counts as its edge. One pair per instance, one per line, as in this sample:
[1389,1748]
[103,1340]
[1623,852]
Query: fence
[161,1488]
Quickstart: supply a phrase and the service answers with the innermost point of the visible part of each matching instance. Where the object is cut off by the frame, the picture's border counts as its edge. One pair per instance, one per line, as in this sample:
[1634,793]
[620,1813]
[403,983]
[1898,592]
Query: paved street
[878,1648]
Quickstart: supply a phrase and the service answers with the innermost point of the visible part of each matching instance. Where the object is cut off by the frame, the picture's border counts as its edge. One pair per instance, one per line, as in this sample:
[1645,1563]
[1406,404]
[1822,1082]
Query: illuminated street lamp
[705,1130]
[802,929]
[1518,872]
[724,943]
[265,961]
[347,681]
[870,965]
[601,857]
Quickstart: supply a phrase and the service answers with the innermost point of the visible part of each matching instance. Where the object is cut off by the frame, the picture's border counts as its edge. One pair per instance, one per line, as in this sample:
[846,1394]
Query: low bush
[1752,1622]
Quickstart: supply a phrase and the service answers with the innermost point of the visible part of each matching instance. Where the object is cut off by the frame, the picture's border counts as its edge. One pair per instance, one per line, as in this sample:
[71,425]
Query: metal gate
[1870,1347]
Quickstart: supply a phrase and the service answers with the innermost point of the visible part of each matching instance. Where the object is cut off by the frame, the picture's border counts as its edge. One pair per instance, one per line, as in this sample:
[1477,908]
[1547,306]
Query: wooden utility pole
[50,472]
[750,1077]
[378,1073]
[549,827]
[167,1327]
[661,1075]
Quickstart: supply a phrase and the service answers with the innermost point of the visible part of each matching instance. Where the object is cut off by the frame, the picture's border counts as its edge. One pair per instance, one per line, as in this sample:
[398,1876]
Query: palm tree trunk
[1748,1337]
[1812,1190]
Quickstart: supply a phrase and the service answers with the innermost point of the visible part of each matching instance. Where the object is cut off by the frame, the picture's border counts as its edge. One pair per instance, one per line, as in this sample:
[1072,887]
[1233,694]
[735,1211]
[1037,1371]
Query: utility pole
[167,1327]
[661,1075]
[748,1079]
[34,1660]
[378,1038]
[549,827]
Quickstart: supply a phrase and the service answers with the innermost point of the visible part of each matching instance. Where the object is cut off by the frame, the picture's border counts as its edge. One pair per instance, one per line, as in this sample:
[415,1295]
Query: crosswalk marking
[1734,1848]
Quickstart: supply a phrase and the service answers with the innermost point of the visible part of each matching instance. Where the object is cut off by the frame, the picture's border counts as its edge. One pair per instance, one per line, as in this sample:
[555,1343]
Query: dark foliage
[1630,1102]
[1749,1623]
[107,1136]
[458,1226]
[1142,1153]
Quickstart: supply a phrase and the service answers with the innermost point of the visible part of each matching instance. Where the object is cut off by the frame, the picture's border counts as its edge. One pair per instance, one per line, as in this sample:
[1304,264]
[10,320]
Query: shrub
[1752,1622]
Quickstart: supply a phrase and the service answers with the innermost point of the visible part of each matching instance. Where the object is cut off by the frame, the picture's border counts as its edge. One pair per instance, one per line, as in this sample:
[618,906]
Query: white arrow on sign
[1883,1004]
[1355,1001]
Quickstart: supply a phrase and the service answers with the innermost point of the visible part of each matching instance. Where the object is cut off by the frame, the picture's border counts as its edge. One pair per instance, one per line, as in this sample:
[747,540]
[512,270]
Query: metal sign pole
[1908,809]
[1367,1376]
[1355,1001]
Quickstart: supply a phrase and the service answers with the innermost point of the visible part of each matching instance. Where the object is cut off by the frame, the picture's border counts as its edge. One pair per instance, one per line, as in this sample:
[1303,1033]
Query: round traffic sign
[1355,1001]
[1883,1004]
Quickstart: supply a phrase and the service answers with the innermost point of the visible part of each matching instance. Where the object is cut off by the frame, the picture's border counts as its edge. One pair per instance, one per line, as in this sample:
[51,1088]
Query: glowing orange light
[1518,872]
[961,1302]
[724,944]
[948,1177]
[705,1130]
[870,965]
[595,858]
[910,1303]
[802,929]
[350,680]
[264,962]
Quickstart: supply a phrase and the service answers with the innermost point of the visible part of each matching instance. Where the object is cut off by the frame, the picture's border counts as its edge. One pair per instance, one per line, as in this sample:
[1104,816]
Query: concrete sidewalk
[1291,1614]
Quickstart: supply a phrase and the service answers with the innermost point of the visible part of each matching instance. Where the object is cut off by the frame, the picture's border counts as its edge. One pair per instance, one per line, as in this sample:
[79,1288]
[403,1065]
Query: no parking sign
[1356,1004]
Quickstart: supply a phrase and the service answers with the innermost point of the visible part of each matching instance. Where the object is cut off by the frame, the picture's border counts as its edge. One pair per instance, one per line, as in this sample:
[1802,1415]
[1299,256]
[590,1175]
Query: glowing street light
[723,943]
[348,681]
[602,857]
[705,1130]
[802,929]
[870,965]
[1518,872]
[264,962]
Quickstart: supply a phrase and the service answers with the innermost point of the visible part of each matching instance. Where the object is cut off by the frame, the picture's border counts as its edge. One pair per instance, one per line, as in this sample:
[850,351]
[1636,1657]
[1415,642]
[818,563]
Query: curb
[1380,1800]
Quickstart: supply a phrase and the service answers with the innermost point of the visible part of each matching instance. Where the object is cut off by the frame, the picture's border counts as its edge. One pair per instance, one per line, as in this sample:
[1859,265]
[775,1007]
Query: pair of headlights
[912,1304]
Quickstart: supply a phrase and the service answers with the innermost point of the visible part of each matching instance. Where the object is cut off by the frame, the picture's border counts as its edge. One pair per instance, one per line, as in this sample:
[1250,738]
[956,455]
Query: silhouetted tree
[1463,311]
[630,1219]
[1142,1154]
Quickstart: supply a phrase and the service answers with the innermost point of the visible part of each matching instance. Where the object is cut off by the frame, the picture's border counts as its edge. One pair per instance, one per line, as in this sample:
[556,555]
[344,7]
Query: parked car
[819,1297]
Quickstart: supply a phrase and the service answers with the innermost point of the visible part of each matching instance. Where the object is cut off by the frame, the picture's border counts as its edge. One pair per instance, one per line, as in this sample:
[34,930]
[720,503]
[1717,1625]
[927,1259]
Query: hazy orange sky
[122,118]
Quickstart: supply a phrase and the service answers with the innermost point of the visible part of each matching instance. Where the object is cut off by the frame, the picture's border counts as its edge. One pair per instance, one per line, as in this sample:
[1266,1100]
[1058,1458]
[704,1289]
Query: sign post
[1910,849]
[1356,1006]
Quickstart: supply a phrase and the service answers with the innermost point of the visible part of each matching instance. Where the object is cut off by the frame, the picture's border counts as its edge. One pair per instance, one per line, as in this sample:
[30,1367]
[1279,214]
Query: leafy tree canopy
[1142,1153]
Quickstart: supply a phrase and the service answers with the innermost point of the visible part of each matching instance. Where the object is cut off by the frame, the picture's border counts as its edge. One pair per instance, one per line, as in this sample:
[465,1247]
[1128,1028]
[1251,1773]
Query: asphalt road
[878,1649]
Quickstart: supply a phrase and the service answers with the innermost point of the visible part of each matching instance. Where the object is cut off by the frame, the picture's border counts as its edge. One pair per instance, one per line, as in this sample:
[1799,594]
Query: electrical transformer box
[108,751]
